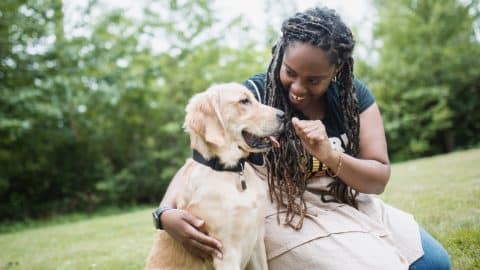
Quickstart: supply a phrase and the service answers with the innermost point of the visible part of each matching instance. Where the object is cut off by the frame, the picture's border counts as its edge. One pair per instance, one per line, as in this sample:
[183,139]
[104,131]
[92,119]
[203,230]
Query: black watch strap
[157,214]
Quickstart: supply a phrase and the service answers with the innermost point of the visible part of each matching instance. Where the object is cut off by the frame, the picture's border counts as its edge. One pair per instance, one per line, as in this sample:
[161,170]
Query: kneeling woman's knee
[440,260]
[435,256]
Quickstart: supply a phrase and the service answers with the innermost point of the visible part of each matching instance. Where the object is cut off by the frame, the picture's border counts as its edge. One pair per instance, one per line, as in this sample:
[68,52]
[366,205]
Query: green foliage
[95,118]
[91,114]
[426,81]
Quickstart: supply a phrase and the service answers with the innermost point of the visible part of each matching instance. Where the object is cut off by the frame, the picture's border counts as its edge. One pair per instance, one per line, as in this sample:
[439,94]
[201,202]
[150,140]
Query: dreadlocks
[288,165]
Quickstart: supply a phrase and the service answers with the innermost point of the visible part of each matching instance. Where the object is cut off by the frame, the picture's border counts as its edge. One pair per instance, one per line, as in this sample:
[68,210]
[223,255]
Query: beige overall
[337,236]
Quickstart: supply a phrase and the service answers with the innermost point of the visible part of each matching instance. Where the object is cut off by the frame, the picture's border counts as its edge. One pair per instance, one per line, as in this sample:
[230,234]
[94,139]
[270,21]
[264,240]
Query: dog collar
[215,163]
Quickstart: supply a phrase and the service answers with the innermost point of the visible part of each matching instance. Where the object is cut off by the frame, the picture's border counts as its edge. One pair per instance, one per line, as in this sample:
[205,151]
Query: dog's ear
[204,118]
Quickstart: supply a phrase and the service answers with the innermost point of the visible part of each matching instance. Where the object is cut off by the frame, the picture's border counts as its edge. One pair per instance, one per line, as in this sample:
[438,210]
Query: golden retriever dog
[227,123]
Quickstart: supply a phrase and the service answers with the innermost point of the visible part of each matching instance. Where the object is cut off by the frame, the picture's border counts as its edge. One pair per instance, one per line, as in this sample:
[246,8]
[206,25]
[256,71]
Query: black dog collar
[215,163]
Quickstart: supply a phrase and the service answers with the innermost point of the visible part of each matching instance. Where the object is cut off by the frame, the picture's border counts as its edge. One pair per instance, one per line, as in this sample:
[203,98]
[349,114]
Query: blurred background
[92,93]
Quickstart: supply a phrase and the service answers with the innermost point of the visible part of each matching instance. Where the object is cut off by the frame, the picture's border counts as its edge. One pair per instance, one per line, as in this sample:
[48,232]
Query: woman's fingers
[209,241]
[310,131]
[203,249]
[193,220]
[196,251]
[204,244]
[299,127]
[186,228]
[199,232]
[208,244]
[315,135]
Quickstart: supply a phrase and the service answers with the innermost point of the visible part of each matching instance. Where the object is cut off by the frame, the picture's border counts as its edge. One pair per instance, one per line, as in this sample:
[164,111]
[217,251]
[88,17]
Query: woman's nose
[297,87]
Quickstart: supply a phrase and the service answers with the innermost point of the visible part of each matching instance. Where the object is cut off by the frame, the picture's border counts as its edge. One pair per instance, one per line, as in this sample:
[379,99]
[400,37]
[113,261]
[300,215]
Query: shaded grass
[15,226]
[442,192]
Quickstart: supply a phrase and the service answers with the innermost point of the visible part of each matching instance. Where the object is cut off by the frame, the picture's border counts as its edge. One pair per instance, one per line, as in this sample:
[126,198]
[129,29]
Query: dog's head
[227,121]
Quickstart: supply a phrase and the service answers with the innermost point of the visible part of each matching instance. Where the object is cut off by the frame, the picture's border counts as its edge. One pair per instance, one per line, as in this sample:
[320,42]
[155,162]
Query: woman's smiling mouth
[296,98]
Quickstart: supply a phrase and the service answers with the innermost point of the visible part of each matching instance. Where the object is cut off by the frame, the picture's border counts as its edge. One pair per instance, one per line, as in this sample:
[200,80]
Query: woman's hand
[189,231]
[314,137]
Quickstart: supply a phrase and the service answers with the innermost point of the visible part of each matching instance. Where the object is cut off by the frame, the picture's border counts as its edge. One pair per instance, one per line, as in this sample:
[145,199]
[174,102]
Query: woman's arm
[369,173]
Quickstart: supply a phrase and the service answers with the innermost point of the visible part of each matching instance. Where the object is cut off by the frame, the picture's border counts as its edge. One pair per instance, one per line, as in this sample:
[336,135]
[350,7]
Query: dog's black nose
[280,115]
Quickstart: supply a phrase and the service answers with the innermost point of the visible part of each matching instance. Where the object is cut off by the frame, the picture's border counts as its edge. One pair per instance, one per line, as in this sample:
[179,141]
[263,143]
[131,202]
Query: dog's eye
[245,101]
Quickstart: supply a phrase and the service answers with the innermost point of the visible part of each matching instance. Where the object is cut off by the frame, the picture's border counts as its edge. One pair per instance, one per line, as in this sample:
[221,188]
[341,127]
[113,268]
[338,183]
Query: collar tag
[241,178]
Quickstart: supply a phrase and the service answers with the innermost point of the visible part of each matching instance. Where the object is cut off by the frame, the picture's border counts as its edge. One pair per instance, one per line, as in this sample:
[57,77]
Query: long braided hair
[288,166]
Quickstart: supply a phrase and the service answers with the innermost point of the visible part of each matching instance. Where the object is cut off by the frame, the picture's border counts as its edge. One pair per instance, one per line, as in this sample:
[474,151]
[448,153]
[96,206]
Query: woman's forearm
[366,176]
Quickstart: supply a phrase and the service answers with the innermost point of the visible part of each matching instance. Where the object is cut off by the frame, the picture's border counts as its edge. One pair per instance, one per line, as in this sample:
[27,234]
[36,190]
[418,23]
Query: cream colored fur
[215,120]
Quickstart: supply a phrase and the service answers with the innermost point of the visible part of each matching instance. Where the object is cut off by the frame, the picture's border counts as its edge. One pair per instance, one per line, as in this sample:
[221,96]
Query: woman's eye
[315,81]
[245,101]
[290,73]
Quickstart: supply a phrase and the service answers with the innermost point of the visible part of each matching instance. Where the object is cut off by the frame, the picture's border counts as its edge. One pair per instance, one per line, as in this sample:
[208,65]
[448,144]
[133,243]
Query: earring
[334,79]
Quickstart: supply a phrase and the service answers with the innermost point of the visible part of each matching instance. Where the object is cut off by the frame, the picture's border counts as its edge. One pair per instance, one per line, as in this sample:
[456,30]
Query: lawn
[443,193]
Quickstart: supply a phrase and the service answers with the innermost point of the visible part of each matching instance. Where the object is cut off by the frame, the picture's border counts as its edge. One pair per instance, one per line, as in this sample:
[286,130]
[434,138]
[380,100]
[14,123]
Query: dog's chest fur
[231,214]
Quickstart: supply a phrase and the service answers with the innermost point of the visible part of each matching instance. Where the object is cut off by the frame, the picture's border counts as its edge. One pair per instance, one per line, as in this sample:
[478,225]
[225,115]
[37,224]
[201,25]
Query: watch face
[156,213]
[156,220]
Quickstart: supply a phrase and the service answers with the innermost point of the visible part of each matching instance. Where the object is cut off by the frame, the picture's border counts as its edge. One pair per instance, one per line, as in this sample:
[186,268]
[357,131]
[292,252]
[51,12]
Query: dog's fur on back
[217,121]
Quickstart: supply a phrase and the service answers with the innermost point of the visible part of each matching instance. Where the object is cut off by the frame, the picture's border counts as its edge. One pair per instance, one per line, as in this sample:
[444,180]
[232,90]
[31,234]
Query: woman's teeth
[297,98]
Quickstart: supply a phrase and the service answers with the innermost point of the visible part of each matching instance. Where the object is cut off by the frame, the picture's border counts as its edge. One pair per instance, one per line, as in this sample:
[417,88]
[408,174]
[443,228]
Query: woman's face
[305,73]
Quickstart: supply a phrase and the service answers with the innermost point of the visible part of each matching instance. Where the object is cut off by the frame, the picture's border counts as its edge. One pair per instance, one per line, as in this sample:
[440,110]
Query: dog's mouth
[257,142]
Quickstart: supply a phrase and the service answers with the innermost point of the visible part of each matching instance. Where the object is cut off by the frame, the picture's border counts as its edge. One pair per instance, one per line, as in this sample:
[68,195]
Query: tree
[96,118]
[427,78]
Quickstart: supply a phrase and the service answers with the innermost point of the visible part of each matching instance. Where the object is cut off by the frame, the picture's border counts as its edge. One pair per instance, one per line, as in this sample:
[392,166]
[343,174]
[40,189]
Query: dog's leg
[154,260]
[227,263]
[258,261]
[168,254]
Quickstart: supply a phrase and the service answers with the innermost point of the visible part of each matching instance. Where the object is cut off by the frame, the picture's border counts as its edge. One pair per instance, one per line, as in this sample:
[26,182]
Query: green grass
[442,192]
[113,242]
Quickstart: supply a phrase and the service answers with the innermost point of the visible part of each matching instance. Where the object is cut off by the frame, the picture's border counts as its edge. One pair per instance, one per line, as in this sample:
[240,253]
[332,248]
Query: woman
[332,160]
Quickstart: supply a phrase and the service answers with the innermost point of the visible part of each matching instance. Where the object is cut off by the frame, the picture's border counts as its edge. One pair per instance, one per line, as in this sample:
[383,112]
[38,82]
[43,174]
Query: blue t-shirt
[333,120]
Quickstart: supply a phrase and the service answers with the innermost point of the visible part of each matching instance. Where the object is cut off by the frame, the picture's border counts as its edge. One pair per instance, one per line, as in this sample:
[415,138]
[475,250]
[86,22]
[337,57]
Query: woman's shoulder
[364,95]
[256,84]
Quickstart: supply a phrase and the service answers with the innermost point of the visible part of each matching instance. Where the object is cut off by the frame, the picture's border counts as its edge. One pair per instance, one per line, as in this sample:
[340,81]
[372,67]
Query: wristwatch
[157,214]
